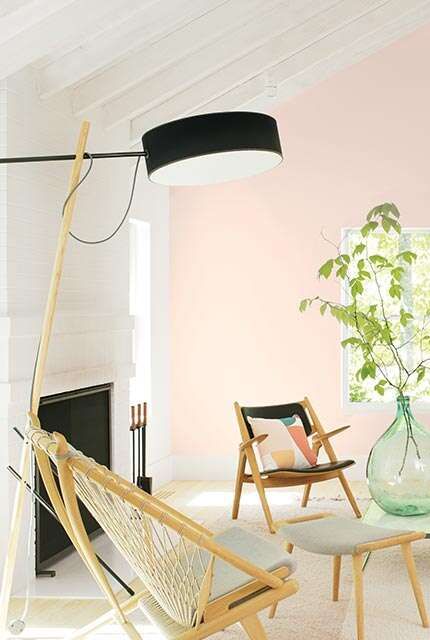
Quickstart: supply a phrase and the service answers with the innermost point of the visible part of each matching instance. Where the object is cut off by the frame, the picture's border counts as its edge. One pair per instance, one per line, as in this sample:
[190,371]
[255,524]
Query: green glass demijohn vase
[398,468]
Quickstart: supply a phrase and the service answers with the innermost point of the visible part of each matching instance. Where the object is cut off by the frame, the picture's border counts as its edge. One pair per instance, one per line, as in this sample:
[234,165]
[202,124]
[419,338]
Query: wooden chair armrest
[251,441]
[325,436]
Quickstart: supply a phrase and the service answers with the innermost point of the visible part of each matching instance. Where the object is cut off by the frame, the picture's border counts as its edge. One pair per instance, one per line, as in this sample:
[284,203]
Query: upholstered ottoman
[335,536]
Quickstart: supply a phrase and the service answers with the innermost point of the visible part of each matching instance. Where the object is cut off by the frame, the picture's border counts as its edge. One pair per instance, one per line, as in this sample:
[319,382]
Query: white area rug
[390,611]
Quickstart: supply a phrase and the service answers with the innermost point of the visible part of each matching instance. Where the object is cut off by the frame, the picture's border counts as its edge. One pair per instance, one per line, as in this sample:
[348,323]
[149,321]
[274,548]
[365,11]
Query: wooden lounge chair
[195,583]
[287,477]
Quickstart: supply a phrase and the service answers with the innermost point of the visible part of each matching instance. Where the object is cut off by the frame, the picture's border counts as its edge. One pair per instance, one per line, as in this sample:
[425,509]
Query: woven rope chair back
[162,549]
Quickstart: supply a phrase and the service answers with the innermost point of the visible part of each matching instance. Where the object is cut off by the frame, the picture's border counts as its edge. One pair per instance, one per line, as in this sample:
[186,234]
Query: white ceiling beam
[155,19]
[292,81]
[256,36]
[75,21]
[213,22]
[291,53]
[11,6]
[329,55]
[18,15]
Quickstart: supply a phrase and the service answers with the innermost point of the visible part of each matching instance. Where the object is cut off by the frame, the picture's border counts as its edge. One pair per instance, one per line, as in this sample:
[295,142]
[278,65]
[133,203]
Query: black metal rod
[139,459]
[143,432]
[71,156]
[49,509]
[133,440]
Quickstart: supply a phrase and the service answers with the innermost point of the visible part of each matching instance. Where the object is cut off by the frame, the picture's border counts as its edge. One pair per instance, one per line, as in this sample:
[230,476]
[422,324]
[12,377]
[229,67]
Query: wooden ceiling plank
[252,95]
[191,37]
[204,94]
[75,19]
[18,15]
[256,36]
[292,80]
[155,20]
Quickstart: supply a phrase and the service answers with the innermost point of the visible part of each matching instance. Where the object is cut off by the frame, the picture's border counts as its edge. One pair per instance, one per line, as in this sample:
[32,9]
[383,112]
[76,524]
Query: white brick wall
[92,341]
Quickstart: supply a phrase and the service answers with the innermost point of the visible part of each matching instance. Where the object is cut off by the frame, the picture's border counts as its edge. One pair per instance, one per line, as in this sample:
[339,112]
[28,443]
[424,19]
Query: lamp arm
[94,156]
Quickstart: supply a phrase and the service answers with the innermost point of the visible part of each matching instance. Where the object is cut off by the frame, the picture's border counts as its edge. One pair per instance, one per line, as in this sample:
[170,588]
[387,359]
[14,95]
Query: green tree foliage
[387,313]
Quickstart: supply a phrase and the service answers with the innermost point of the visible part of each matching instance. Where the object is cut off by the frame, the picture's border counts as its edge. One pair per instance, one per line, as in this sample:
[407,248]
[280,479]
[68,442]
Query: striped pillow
[286,446]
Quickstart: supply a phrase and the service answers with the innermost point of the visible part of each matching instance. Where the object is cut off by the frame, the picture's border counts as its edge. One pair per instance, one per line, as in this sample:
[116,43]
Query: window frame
[374,406]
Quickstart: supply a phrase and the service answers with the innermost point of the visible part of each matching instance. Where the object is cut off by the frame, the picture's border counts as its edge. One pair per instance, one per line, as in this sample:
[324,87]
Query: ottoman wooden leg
[337,560]
[357,562]
[272,610]
[416,586]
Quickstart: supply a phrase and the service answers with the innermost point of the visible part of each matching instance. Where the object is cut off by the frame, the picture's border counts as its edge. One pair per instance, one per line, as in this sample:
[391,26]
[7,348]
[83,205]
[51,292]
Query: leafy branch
[375,334]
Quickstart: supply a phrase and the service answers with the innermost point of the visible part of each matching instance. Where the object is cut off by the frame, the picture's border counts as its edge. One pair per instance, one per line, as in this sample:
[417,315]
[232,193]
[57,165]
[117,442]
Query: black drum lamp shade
[212,148]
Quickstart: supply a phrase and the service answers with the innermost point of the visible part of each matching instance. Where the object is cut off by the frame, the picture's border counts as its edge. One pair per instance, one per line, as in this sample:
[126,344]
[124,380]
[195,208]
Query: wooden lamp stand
[39,372]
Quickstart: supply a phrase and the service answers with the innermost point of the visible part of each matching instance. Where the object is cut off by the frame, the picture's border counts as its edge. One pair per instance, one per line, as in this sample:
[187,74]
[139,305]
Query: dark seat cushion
[318,468]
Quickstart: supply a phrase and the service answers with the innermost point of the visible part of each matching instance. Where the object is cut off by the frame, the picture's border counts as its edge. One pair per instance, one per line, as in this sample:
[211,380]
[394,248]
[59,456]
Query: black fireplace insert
[84,418]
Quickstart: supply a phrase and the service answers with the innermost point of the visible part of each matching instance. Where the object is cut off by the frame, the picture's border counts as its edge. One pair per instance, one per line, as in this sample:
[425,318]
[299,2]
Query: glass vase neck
[403,406]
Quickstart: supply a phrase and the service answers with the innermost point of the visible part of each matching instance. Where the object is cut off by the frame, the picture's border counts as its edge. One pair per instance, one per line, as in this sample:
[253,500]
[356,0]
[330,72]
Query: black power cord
[92,242]
[123,219]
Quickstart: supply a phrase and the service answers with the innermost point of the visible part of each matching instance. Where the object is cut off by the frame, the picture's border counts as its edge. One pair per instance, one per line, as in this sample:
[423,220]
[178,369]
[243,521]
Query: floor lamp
[208,148]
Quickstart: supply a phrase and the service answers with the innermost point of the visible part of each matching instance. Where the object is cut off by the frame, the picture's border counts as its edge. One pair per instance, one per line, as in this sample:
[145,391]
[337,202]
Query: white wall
[4,343]
[151,204]
[92,341]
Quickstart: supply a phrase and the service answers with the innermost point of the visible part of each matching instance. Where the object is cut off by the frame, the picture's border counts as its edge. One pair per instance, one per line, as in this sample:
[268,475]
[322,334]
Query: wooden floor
[51,614]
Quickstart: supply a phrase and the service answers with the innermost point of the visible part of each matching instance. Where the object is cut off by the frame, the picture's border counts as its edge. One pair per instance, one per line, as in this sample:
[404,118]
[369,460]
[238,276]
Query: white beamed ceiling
[149,61]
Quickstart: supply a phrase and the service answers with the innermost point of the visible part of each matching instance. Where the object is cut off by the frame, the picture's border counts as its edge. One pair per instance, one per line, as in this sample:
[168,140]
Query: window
[416,301]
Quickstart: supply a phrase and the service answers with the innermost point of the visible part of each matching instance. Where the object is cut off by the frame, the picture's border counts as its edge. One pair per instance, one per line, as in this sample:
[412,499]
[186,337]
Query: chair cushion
[324,467]
[286,444]
[334,535]
[263,553]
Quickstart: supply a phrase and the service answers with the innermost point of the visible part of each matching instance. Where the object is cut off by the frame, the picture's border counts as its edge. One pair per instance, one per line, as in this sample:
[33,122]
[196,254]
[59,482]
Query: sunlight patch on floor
[225,498]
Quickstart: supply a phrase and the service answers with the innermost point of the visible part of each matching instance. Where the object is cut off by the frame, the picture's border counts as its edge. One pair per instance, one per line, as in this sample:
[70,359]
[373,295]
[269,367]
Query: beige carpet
[390,609]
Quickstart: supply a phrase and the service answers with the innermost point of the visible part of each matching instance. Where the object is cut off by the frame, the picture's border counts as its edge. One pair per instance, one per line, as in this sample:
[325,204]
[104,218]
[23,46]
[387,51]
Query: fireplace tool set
[138,425]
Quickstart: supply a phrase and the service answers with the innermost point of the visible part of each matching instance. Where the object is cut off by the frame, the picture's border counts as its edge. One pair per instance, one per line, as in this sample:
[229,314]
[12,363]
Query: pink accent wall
[245,253]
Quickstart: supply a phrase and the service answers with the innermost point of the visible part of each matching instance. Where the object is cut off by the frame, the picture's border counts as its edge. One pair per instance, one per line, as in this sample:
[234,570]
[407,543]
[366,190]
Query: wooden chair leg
[260,489]
[306,493]
[239,484]
[337,562]
[265,505]
[272,610]
[416,586]
[253,628]
[349,494]
[357,562]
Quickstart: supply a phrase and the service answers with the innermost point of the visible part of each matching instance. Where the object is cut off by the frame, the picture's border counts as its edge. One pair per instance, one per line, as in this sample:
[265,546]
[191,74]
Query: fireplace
[84,417]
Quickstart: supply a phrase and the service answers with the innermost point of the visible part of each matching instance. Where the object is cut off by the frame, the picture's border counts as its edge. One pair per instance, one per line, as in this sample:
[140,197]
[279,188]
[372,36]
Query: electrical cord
[123,219]
[92,242]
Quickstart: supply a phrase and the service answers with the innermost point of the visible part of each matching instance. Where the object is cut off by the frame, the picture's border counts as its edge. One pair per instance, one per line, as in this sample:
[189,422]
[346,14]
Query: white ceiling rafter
[150,61]
[329,55]
[259,60]
[262,40]
[240,83]
[76,21]
[291,81]
[18,15]
[165,53]
[155,20]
